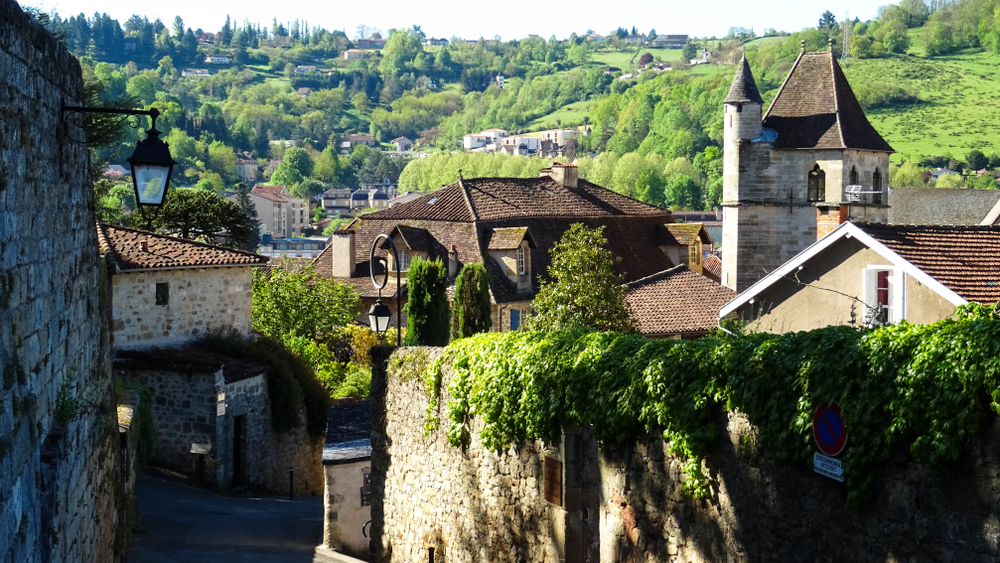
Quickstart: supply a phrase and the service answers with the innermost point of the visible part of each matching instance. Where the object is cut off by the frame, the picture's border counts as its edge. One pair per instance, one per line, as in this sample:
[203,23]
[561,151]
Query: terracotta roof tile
[687,233]
[189,359]
[712,268]
[502,198]
[676,301]
[816,109]
[965,259]
[131,249]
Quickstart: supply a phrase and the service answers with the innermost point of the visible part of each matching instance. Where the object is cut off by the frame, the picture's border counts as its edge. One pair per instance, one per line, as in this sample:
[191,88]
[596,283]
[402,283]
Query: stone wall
[625,503]
[200,299]
[269,455]
[185,410]
[58,475]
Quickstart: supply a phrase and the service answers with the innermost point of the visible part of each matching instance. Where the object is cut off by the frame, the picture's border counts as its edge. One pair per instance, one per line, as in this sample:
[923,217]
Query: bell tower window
[817,185]
[854,176]
[877,187]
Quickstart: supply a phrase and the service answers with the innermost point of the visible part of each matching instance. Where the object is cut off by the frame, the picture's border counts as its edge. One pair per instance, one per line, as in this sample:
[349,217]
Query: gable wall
[833,278]
[200,299]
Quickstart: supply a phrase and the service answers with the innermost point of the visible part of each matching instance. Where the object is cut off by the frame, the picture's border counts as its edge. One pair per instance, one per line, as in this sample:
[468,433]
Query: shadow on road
[182,524]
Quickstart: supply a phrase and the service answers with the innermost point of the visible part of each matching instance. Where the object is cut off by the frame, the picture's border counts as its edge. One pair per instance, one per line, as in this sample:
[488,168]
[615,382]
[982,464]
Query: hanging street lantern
[152,166]
[151,162]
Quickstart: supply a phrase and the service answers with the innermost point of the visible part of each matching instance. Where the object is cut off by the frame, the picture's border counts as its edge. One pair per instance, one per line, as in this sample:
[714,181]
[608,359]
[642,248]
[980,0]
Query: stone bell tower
[812,162]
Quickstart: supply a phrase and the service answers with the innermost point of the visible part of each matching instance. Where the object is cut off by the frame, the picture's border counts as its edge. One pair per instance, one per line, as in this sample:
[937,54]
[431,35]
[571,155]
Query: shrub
[471,310]
[427,304]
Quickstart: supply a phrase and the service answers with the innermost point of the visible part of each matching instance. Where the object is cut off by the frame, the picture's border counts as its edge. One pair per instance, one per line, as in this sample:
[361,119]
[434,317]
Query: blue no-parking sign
[828,429]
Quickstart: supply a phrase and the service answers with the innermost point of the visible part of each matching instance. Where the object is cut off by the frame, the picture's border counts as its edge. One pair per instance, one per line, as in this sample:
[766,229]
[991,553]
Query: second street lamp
[379,314]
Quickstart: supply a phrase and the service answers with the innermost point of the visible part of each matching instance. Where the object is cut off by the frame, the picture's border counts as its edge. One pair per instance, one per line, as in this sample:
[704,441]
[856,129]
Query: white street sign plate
[829,466]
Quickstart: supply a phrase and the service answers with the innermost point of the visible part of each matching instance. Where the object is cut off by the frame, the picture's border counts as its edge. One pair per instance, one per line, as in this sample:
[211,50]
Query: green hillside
[958,96]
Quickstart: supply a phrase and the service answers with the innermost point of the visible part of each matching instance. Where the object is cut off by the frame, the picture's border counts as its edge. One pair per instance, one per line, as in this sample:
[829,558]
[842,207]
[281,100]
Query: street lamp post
[379,315]
[151,162]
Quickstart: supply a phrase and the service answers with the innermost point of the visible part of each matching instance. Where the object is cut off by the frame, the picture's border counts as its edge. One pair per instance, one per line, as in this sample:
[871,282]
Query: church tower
[812,162]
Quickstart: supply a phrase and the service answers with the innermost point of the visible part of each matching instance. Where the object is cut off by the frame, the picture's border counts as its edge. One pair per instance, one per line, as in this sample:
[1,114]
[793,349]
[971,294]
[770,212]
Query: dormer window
[520,261]
[694,253]
[817,185]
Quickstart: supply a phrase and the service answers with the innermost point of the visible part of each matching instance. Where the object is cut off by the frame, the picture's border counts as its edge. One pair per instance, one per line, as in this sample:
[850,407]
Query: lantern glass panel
[150,182]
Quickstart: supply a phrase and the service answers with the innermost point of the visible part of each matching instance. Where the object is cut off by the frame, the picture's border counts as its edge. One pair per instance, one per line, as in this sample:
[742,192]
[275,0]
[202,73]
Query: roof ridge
[468,200]
[836,96]
[669,272]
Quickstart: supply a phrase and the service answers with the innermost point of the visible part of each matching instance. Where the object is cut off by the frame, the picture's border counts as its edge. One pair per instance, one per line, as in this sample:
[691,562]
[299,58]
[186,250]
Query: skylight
[431,201]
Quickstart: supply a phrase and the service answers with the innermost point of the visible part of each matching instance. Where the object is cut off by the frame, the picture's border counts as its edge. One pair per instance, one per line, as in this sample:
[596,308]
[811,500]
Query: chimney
[342,254]
[565,174]
[144,245]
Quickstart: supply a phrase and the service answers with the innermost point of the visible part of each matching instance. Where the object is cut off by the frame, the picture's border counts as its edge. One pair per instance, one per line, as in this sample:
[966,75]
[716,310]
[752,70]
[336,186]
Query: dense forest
[288,94]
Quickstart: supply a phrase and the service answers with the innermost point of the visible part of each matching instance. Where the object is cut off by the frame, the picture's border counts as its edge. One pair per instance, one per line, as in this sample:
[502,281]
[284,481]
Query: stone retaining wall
[625,503]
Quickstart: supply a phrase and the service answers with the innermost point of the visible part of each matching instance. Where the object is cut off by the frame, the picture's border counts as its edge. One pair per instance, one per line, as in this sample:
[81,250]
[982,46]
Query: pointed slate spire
[744,89]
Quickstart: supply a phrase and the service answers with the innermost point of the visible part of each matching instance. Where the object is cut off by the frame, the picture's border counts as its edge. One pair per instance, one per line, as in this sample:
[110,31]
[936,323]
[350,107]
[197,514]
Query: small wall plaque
[201,448]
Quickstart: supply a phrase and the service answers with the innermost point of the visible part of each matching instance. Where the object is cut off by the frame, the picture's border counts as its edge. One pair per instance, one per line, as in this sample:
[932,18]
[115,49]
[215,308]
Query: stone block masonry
[60,481]
[197,300]
[574,500]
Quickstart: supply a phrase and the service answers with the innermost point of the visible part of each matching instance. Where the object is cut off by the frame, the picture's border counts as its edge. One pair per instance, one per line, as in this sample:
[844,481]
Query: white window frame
[521,261]
[404,259]
[897,294]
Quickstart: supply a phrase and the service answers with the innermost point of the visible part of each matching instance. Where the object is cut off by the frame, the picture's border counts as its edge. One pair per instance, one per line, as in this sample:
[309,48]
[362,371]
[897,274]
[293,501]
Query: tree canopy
[199,215]
[582,288]
[287,301]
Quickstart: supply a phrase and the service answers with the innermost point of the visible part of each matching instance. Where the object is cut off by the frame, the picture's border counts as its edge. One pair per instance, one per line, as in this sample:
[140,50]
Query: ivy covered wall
[693,450]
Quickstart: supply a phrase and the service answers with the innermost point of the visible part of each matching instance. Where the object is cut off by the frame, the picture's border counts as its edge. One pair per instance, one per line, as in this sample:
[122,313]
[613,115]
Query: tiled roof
[676,301]
[816,109]
[712,268]
[507,238]
[744,88]
[124,249]
[414,237]
[188,359]
[502,198]
[348,432]
[965,259]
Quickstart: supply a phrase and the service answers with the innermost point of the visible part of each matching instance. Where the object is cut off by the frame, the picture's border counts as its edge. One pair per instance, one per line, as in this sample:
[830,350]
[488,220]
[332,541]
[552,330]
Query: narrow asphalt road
[182,524]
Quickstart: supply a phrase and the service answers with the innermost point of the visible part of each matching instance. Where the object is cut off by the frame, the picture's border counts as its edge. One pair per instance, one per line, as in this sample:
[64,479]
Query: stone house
[507,224]
[166,293]
[280,214]
[786,175]
[347,458]
[870,274]
[247,168]
[213,421]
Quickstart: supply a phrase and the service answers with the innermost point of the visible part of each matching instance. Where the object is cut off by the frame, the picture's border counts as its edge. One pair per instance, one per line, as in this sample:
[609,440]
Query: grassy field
[956,113]
[765,41]
[571,114]
[622,60]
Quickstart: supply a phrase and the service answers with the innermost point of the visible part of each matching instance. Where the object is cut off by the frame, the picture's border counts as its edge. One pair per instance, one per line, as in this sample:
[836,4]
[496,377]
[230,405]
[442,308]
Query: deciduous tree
[302,303]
